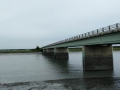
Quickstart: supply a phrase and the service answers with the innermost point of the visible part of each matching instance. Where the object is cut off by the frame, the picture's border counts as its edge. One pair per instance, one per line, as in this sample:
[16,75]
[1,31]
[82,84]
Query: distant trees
[37,48]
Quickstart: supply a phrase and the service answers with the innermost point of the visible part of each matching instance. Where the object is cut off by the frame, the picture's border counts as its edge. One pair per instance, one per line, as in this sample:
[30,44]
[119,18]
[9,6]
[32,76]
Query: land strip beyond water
[39,50]
[115,48]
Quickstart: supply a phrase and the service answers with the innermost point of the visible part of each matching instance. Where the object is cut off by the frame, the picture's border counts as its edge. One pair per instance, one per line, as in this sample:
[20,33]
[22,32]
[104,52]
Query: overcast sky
[31,23]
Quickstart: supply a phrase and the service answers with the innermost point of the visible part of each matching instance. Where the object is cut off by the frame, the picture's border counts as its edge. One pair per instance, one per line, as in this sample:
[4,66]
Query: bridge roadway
[96,47]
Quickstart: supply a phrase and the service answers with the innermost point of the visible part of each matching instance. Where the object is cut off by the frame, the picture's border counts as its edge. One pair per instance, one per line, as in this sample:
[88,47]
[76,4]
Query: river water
[29,67]
[36,68]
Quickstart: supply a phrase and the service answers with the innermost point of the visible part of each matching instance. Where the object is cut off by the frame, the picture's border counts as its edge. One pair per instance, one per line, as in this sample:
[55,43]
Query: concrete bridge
[96,47]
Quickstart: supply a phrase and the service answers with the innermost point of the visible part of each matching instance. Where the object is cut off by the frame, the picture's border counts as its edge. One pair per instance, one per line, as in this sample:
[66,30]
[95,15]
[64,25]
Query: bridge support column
[97,57]
[44,51]
[61,52]
[50,51]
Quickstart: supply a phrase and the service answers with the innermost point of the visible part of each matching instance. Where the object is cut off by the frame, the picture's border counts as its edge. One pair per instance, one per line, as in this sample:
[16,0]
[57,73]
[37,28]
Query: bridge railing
[104,30]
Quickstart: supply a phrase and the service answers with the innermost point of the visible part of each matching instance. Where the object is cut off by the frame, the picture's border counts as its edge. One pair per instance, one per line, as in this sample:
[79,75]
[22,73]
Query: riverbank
[21,51]
[107,83]
[33,50]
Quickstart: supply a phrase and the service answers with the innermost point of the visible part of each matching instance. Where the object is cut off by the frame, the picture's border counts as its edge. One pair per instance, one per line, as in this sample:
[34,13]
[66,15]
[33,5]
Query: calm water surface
[27,67]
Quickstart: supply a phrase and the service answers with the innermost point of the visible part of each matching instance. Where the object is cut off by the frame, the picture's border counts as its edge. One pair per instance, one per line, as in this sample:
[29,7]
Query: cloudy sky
[31,23]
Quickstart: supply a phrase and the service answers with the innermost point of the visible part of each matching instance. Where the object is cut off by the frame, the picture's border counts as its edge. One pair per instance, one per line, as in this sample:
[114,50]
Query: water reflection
[97,74]
[99,84]
[62,65]
[37,67]
[65,68]
[73,68]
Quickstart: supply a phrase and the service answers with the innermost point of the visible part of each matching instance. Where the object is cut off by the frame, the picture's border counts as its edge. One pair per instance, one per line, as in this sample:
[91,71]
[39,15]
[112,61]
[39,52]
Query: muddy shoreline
[106,83]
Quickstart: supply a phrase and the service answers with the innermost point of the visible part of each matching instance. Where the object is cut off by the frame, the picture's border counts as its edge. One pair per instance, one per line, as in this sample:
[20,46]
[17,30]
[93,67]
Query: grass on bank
[115,48]
[19,51]
[37,49]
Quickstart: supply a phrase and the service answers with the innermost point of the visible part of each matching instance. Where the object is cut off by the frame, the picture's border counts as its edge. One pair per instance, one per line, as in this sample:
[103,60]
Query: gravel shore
[66,84]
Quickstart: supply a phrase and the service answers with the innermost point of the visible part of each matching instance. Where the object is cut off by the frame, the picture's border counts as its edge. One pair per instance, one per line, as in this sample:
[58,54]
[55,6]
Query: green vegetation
[37,49]
[34,50]
[75,49]
[115,48]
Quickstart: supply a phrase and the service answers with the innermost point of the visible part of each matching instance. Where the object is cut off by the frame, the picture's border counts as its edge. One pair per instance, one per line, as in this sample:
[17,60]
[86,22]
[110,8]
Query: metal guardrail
[101,31]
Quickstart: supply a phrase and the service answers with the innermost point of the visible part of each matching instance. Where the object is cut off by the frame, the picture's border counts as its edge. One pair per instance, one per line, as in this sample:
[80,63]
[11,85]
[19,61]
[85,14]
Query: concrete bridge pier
[61,52]
[50,51]
[44,51]
[97,57]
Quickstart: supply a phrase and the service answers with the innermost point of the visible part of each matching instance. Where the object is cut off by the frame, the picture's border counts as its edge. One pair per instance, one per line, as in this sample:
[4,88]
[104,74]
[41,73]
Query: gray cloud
[28,23]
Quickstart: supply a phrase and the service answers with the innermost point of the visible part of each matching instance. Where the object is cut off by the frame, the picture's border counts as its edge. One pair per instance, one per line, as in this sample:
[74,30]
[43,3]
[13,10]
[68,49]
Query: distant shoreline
[20,51]
[115,48]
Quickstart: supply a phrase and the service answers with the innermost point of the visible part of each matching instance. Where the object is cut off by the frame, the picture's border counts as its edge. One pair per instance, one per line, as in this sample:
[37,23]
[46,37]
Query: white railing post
[92,32]
[109,28]
[117,26]
[102,29]
[85,34]
[97,31]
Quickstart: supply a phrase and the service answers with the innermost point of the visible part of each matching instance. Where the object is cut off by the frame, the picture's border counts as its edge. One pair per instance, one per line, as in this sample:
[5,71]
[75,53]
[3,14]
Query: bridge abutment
[61,53]
[97,57]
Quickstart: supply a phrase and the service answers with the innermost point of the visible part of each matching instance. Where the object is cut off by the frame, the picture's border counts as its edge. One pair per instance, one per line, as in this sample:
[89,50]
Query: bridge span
[96,47]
